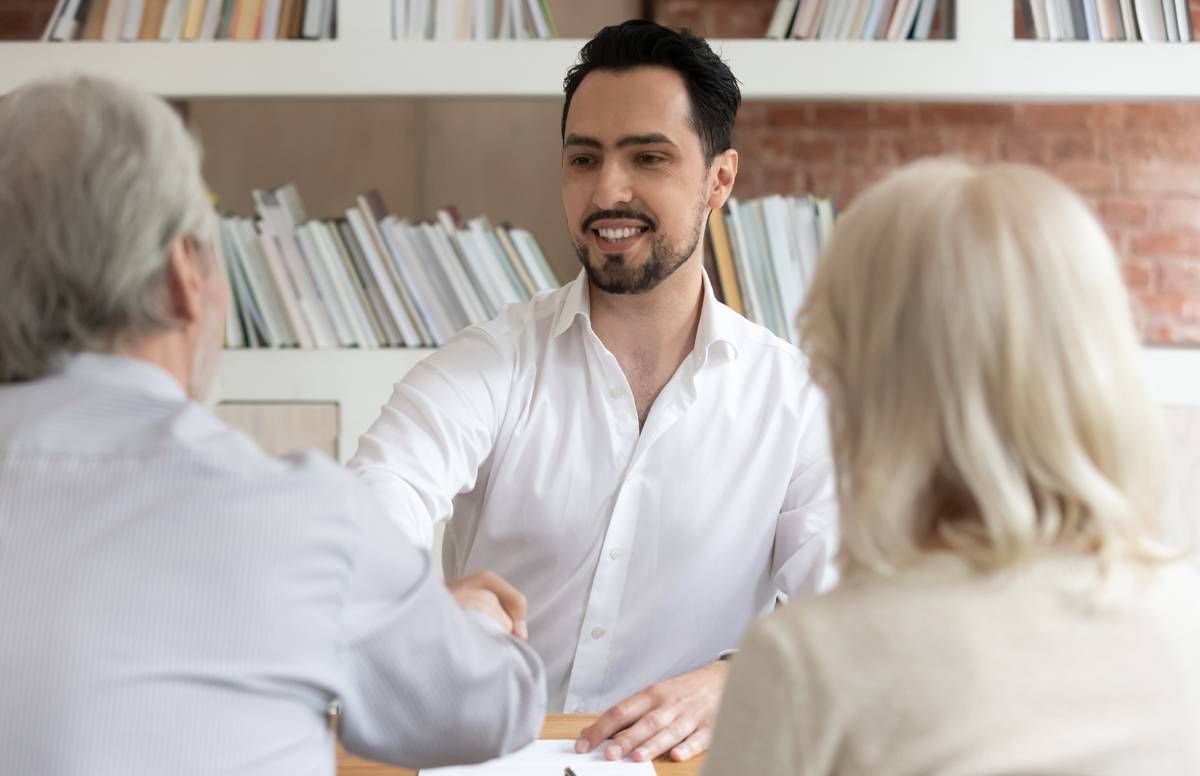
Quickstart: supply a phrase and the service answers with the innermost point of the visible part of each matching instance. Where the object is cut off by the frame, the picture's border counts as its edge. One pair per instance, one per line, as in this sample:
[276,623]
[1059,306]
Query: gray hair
[97,181]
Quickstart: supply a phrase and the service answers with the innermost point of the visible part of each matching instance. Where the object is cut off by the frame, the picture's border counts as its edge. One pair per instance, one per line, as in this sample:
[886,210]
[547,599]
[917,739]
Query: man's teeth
[613,235]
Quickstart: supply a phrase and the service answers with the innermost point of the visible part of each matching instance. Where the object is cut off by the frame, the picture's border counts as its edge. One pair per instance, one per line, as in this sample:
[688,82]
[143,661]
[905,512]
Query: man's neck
[168,351]
[657,327]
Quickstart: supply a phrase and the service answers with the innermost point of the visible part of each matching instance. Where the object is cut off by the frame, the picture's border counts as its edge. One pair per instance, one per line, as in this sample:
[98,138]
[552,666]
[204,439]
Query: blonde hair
[972,333]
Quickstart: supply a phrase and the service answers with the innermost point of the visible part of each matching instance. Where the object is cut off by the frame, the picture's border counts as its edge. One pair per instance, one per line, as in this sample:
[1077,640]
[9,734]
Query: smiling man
[646,466]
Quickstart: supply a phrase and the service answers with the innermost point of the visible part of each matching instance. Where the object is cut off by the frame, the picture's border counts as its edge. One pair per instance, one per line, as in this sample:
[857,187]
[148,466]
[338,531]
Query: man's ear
[185,283]
[724,167]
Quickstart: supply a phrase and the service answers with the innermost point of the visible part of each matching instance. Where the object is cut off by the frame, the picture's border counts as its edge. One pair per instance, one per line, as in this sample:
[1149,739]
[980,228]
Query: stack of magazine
[763,253]
[369,279]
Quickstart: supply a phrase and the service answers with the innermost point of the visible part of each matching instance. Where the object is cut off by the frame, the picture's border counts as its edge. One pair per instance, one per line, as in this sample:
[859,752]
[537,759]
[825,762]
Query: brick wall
[1137,164]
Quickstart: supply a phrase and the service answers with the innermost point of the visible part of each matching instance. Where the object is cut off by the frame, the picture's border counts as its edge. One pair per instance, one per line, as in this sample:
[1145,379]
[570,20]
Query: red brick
[1175,243]
[1069,146]
[1024,146]
[1181,276]
[752,114]
[1178,214]
[841,115]
[1125,212]
[894,116]
[786,115]
[1159,116]
[1139,275]
[1163,178]
[914,145]
[1130,146]
[1086,177]
[969,115]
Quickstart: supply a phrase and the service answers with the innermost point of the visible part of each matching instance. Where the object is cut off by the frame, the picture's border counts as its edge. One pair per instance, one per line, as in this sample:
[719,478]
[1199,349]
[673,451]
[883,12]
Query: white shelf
[983,63]
[361,381]
[358,381]
[932,70]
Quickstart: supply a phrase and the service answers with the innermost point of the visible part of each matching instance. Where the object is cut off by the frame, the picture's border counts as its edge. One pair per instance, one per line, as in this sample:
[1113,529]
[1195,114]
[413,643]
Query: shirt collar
[123,371]
[718,325]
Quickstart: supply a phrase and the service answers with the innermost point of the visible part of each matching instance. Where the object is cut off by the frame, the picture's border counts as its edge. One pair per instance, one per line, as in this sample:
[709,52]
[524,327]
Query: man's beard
[613,277]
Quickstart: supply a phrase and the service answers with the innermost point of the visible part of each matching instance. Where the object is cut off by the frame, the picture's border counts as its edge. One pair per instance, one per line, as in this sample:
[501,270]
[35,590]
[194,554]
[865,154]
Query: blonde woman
[1003,608]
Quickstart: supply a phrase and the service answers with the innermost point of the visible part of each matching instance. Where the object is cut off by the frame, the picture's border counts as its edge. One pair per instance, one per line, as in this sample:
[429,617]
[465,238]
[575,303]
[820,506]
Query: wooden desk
[557,726]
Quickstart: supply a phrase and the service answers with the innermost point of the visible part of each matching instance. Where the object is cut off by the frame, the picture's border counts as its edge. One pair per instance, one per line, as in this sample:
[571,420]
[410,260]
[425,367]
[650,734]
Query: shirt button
[597,633]
[615,554]
[616,393]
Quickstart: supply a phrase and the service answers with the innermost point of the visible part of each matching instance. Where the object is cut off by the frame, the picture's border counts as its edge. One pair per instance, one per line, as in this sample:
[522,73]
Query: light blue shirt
[174,601]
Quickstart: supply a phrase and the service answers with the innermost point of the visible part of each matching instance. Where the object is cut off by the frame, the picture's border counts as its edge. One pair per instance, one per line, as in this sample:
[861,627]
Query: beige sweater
[943,671]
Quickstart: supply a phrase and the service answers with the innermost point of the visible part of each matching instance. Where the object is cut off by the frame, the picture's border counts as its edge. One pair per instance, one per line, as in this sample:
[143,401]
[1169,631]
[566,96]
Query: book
[114,20]
[193,19]
[723,259]
[1091,19]
[374,211]
[376,333]
[268,21]
[782,19]
[858,21]
[246,17]
[314,19]
[775,243]
[93,28]
[1129,21]
[212,18]
[67,21]
[132,23]
[1172,22]
[173,19]
[287,290]
[924,22]
[373,253]
[1151,23]
[808,18]
[152,17]
[1184,16]
[877,22]
[55,17]
[380,312]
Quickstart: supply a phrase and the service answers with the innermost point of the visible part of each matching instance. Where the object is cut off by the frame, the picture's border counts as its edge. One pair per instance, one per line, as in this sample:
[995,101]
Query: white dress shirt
[174,601]
[643,553]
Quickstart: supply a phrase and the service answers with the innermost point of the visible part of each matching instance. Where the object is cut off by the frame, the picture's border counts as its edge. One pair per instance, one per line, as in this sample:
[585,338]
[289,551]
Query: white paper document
[549,758]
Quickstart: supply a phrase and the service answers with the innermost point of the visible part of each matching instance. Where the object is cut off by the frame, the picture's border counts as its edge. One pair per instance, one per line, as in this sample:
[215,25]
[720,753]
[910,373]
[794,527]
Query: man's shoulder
[521,320]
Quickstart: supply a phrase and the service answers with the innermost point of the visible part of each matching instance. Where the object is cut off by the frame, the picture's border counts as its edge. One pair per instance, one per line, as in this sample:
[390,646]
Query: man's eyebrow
[581,140]
[651,138]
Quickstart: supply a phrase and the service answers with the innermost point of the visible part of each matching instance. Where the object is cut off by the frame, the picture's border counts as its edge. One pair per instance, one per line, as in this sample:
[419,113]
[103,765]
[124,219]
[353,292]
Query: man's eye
[580,161]
[650,159]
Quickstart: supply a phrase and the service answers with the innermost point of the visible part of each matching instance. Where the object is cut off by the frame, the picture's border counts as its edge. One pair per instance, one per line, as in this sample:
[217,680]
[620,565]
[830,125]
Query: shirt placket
[601,615]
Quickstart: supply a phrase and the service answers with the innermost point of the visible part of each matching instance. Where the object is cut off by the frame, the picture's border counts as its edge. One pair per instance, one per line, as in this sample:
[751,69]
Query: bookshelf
[983,63]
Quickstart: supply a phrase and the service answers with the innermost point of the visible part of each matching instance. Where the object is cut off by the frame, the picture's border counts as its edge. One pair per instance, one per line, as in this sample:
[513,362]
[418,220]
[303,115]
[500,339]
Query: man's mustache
[627,214]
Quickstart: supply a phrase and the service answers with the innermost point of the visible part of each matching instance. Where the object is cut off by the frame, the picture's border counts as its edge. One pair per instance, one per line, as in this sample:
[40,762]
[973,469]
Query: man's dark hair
[712,89]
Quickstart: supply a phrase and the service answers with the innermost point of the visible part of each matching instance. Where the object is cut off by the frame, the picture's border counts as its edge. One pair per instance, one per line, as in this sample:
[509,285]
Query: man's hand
[676,715]
[488,594]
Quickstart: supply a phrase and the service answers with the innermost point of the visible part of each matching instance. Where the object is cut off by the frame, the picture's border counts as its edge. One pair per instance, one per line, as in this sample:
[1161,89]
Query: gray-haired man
[172,600]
